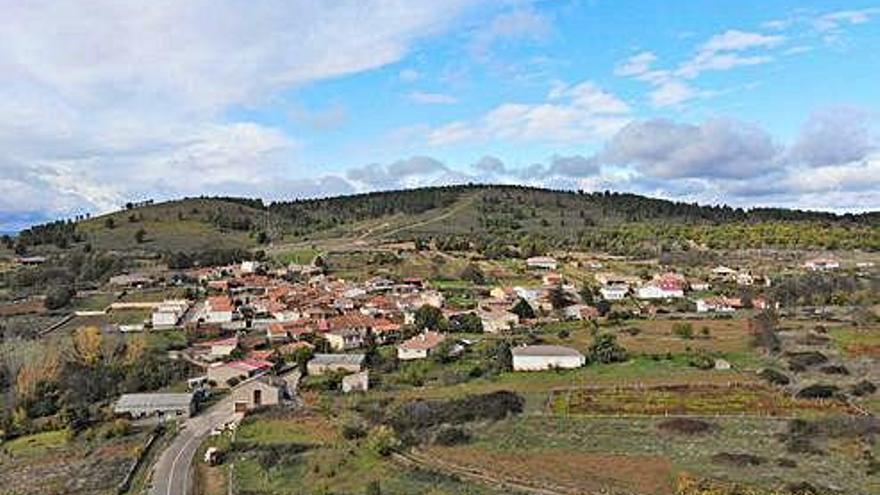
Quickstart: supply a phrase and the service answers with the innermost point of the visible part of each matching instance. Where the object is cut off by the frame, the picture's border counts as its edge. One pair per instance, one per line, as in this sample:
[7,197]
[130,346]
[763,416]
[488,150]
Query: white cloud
[427,98]
[127,98]
[834,20]
[409,75]
[519,24]
[636,65]
[583,112]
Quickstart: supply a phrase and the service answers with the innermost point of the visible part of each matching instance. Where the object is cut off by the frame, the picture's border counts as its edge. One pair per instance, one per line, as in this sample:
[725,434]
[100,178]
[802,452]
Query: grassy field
[703,400]
[301,256]
[635,455]
[94,302]
[49,462]
[857,341]
[269,458]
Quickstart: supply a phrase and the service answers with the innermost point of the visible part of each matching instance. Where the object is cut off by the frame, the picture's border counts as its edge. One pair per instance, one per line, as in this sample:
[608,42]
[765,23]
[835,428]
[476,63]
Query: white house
[822,265]
[717,305]
[420,346]
[169,313]
[541,263]
[654,291]
[344,339]
[218,309]
[545,357]
[614,292]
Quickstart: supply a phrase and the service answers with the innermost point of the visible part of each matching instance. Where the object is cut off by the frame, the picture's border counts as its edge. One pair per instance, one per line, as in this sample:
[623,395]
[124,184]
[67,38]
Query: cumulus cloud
[583,112]
[716,148]
[132,99]
[834,136]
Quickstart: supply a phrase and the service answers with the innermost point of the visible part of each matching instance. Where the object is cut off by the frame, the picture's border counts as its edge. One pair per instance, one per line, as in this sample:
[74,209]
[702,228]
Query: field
[308,454]
[637,455]
[857,341]
[703,400]
[48,463]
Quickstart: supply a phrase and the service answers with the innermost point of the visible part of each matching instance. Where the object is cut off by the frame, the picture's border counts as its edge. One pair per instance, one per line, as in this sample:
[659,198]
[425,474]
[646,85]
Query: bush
[774,377]
[605,349]
[737,459]
[687,426]
[834,369]
[59,296]
[423,414]
[382,440]
[863,388]
[683,330]
[353,430]
[818,391]
[800,361]
[701,360]
[450,436]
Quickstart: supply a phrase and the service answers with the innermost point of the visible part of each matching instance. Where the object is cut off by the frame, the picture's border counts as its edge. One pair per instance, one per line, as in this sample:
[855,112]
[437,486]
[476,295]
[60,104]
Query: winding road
[171,473]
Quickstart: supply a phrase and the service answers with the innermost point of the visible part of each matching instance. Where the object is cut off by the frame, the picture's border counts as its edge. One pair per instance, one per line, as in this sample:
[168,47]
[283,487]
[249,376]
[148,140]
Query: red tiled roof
[426,340]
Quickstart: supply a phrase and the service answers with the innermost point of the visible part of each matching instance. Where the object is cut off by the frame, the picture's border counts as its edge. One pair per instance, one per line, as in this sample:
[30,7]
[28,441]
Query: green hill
[485,218]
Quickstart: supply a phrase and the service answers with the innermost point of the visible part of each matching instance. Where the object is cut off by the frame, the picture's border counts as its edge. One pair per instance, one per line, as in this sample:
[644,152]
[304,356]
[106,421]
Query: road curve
[171,473]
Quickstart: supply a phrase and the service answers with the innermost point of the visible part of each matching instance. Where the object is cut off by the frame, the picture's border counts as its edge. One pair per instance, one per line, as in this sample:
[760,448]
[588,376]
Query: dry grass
[573,472]
[656,336]
[750,400]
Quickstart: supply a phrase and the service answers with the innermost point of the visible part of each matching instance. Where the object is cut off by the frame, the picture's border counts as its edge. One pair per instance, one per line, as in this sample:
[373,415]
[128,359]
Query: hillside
[485,218]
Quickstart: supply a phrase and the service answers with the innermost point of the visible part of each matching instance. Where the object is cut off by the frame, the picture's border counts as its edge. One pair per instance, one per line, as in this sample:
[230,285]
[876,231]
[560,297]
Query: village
[251,320]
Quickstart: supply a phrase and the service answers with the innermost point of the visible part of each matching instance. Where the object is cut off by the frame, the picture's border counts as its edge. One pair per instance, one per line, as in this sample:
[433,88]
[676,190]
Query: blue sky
[745,103]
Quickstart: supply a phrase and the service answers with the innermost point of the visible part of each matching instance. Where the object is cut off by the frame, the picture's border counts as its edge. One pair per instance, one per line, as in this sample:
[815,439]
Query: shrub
[818,391]
[683,330]
[451,436]
[605,349]
[774,377]
[701,360]
[353,430]
[687,426]
[834,369]
[737,459]
[423,414]
[863,388]
[800,361]
[382,440]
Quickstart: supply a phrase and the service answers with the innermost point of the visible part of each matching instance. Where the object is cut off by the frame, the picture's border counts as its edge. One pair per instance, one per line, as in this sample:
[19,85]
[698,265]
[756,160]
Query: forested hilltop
[486,218]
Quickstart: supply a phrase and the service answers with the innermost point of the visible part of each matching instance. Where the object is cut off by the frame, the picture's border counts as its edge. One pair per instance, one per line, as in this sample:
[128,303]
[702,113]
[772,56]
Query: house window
[258,397]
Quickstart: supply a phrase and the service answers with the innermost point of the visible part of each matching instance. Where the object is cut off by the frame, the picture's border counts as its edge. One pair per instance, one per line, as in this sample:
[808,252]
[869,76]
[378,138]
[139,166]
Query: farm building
[545,357]
[259,392]
[221,373]
[160,405]
[322,363]
[541,263]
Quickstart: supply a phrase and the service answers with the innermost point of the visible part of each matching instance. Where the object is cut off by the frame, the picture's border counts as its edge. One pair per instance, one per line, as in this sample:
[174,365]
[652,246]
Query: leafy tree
[140,236]
[465,323]
[59,296]
[503,357]
[430,317]
[109,223]
[587,295]
[559,297]
[474,274]
[605,349]
[602,306]
[523,309]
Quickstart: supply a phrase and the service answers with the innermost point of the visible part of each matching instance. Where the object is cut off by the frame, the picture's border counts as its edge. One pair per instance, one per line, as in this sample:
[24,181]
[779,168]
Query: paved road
[171,473]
